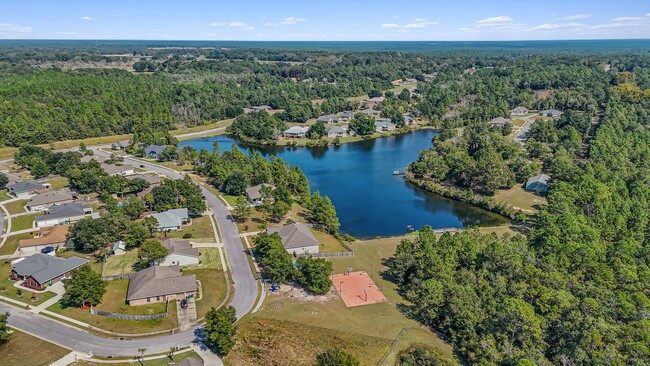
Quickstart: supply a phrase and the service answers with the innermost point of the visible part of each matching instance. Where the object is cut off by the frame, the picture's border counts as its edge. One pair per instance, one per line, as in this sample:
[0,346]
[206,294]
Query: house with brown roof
[159,284]
[372,102]
[180,253]
[55,236]
[120,145]
[297,239]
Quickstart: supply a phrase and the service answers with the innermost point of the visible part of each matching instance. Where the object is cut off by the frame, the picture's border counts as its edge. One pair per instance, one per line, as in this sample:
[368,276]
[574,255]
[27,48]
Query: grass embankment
[290,329]
[11,291]
[23,349]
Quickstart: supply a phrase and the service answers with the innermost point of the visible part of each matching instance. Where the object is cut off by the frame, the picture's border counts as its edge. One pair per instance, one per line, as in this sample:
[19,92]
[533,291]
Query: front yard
[213,283]
[200,231]
[10,246]
[16,207]
[23,222]
[23,349]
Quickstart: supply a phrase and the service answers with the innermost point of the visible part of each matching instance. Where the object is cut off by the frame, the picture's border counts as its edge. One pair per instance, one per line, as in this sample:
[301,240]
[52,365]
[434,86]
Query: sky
[329,20]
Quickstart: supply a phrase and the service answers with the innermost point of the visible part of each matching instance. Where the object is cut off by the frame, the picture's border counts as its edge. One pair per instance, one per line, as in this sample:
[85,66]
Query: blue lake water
[358,177]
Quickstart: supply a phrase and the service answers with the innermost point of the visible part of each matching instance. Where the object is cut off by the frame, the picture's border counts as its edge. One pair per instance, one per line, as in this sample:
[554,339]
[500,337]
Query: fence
[116,277]
[326,255]
[131,317]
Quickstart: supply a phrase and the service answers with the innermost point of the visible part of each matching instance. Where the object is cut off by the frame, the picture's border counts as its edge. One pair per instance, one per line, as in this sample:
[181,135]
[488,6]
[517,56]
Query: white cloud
[499,19]
[415,25]
[390,25]
[237,24]
[217,24]
[292,20]
[616,25]
[14,28]
[231,24]
[626,19]
[576,17]
[87,18]
[272,24]
[248,28]
[553,26]
[419,20]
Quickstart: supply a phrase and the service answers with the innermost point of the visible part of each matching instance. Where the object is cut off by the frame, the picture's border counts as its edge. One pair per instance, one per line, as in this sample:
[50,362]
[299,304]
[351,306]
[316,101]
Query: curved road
[245,286]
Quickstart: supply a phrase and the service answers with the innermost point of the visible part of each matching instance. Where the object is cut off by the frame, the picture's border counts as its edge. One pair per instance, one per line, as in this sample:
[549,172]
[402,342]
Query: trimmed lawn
[520,198]
[23,222]
[232,200]
[209,258]
[58,182]
[114,300]
[23,349]
[213,283]
[6,282]
[120,264]
[11,244]
[201,230]
[159,362]
[4,195]
[328,243]
[16,207]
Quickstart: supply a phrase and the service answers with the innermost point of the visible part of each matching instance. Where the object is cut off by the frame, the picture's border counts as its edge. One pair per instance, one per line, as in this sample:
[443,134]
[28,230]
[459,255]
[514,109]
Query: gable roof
[384,123]
[255,192]
[297,129]
[88,158]
[181,247]
[149,178]
[43,267]
[22,187]
[169,218]
[500,121]
[551,112]
[157,149]
[334,129]
[48,235]
[347,114]
[50,197]
[540,178]
[119,245]
[294,235]
[159,281]
[370,111]
[62,211]
[122,143]
[519,109]
[116,169]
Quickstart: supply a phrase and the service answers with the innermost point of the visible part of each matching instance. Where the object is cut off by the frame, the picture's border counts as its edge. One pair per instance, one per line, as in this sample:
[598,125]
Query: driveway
[186,317]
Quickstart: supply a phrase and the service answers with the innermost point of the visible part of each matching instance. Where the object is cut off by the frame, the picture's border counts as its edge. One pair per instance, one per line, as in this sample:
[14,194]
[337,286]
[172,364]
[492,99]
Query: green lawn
[58,182]
[201,230]
[93,263]
[10,246]
[23,222]
[519,198]
[328,243]
[24,349]
[209,258]
[7,283]
[16,207]
[232,200]
[120,264]
[4,195]
[159,362]
[214,288]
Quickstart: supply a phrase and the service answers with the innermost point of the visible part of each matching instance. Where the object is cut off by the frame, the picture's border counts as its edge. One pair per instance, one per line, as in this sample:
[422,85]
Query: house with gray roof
[64,214]
[538,183]
[152,179]
[328,119]
[370,112]
[180,253]
[89,158]
[408,119]
[122,170]
[119,248]
[499,121]
[254,193]
[296,132]
[348,115]
[13,178]
[297,239]
[45,200]
[384,125]
[120,145]
[171,220]
[41,270]
[554,113]
[159,284]
[153,151]
[335,132]
[519,111]
[25,189]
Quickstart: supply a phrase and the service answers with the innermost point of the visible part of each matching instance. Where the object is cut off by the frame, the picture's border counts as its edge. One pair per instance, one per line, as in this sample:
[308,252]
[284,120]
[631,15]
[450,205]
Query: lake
[358,178]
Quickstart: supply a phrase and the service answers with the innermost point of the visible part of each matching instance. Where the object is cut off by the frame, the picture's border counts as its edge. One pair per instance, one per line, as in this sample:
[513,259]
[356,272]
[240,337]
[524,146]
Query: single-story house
[159,284]
[328,119]
[296,132]
[153,151]
[538,183]
[190,361]
[180,253]
[153,180]
[335,132]
[372,102]
[408,119]
[384,125]
[258,108]
[41,270]
[348,115]
[297,239]
[64,214]
[499,121]
[371,112]
[55,236]
[120,145]
[118,170]
[171,220]
[254,193]
[89,158]
[24,189]
[550,113]
[518,111]
[119,248]
[45,200]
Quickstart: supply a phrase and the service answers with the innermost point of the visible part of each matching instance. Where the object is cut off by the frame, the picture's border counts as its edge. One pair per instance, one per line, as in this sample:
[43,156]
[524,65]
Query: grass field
[23,222]
[120,264]
[10,246]
[6,282]
[159,362]
[414,336]
[214,288]
[24,349]
[328,243]
[58,182]
[201,230]
[4,195]
[519,198]
[16,207]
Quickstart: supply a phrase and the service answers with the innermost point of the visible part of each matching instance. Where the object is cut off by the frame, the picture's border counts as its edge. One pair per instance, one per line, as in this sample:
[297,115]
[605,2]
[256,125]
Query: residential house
[428,77]
[26,189]
[88,158]
[371,112]
[384,125]
[120,145]
[254,193]
[519,111]
[118,170]
[297,239]
[45,200]
[159,284]
[180,253]
[64,214]
[538,183]
[153,180]
[119,248]
[328,119]
[55,237]
[372,102]
[171,220]
[408,120]
[153,151]
[335,132]
[554,113]
[296,132]
[41,270]
[346,116]
[259,108]
[499,121]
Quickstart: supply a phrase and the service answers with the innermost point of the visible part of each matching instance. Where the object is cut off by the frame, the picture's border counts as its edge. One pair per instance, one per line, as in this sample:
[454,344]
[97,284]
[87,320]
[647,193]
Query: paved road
[522,134]
[245,295]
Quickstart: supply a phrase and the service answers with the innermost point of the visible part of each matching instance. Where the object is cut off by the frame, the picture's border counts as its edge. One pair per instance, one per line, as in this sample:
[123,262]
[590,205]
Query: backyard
[58,182]
[41,353]
[120,264]
[200,231]
[517,197]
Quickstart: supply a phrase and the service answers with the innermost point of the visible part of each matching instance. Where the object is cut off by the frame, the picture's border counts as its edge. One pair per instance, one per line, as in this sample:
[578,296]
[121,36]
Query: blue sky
[326,20]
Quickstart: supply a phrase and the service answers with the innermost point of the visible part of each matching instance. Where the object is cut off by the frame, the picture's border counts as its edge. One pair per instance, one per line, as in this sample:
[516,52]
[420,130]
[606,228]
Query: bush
[187,235]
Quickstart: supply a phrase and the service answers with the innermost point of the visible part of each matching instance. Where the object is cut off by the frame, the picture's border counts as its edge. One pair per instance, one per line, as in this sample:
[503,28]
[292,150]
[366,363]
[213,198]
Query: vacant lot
[23,349]
[519,198]
[328,243]
[120,264]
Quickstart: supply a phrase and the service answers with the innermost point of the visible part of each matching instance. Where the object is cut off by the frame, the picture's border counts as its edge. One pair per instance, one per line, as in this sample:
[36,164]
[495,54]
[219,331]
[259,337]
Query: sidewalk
[59,290]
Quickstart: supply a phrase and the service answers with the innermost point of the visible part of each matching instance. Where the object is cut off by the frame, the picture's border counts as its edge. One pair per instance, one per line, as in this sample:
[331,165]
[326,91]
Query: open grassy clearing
[10,246]
[213,282]
[120,264]
[159,362]
[419,335]
[175,166]
[517,197]
[23,349]
[23,222]
[11,291]
[200,230]
[58,182]
[16,207]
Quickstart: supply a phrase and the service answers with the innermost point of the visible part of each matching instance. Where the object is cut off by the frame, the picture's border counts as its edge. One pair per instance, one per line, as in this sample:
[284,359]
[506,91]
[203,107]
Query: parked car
[141,165]
[46,250]
[184,304]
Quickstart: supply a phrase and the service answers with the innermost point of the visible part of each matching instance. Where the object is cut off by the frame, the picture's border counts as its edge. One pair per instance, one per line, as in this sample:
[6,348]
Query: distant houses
[154,151]
[296,132]
[297,239]
[41,270]
[159,284]
[64,214]
[45,200]
[171,220]
[328,119]
[26,189]
[346,116]
[180,253]
[538,183]
[120,145]
[372,102]
[370,112]
[499,122]
[519,111]
[553,113]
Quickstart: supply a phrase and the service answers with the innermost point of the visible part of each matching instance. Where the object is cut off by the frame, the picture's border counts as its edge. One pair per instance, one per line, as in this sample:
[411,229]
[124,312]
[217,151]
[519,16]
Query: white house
[64,214]
[296,132]
[180,253]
